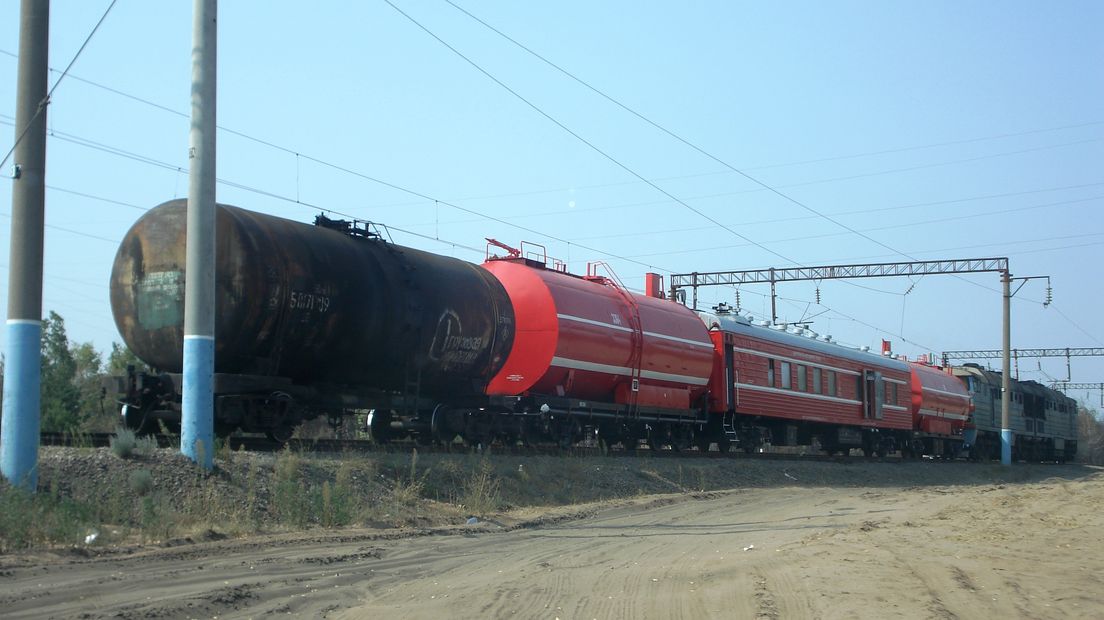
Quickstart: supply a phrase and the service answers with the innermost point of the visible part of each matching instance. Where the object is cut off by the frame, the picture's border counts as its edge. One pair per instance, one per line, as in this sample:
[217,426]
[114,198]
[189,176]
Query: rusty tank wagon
[311,320]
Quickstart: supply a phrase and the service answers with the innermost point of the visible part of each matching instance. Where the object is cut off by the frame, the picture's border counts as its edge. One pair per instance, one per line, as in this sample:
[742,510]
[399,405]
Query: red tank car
[587,338]
[941,408]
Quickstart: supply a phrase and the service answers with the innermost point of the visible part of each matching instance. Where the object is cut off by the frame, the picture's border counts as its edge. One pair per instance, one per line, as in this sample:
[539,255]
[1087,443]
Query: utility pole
[197,395]
[19,427]
[774,275]
[1006,368]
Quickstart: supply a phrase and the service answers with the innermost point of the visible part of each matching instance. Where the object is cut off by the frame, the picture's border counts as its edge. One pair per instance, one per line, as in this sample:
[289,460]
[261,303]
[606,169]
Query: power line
[46,101]
[578,137]
[886,227]
[288,150]
[633,205]
[663,129]
[161,164]
[677,137]
[505,220]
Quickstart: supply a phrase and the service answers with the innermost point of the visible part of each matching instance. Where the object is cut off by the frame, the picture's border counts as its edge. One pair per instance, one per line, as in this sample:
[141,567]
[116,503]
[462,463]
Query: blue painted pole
[22,401]
[22,371]
[197,396]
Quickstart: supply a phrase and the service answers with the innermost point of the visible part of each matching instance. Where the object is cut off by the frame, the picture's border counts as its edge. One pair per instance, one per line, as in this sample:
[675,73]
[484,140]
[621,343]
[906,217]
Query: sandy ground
[1027,549]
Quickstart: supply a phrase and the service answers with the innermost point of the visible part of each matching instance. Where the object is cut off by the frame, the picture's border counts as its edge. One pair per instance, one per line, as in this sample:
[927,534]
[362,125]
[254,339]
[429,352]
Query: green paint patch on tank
[161,299]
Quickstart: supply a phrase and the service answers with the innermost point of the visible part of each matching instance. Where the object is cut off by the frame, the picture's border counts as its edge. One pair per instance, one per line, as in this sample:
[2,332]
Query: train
[1043,420]
[333,319]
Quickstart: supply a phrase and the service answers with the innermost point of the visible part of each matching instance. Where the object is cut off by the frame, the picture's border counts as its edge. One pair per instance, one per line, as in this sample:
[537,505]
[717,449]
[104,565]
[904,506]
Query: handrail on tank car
[611,278]
[529,255]
[540,257]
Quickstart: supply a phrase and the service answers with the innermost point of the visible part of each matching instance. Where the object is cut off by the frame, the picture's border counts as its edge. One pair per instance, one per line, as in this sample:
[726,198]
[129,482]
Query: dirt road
[1029,549]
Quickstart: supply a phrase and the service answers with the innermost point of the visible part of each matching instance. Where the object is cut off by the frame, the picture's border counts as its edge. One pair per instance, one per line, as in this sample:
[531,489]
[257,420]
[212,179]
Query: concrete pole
[197,397]
[1006,371]
[22,371]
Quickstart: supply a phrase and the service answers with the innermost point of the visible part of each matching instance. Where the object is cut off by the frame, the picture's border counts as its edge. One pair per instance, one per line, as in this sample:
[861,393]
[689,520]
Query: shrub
[141,482]
[145,445]
[123,443]
[407,491]
[291,502]
[482,494]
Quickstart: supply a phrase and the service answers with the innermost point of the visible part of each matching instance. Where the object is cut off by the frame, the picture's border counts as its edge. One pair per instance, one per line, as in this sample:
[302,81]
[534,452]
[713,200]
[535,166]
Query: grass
[164,496]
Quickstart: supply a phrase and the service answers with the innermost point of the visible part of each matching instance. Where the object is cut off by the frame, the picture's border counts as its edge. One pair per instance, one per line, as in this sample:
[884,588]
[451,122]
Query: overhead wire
[782,220]
[663,129]
[886,227]
[322,162]
[659,127]
[288,150]
[41,106]
[579,137]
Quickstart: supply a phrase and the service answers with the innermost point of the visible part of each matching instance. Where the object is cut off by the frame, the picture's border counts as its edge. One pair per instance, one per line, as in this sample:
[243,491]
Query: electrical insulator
[737,301]
[818,295]
[1049,297]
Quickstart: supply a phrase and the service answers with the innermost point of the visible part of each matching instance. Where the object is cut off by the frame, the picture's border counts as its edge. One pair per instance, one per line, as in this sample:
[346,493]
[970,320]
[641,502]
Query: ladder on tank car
[636,329]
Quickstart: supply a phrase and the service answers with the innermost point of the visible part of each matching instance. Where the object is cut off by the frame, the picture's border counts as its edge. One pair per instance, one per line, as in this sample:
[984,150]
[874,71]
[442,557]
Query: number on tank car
[311,302]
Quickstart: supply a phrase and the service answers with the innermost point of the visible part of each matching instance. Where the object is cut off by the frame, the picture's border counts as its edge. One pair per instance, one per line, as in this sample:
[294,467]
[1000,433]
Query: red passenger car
[791,387]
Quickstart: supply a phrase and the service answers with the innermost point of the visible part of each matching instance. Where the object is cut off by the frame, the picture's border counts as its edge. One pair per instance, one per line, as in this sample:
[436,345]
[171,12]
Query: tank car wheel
[439,427]
[379,422]
[281,434]
[654,444]
[280,405]
[137,419]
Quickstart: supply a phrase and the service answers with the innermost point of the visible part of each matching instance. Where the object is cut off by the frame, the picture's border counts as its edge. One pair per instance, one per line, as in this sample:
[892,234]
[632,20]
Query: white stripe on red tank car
[622,328]
[936,414]
[624,371]
[945,393]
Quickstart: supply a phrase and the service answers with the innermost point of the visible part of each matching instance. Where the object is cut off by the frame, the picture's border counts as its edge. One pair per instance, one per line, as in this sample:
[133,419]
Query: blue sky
[941,129]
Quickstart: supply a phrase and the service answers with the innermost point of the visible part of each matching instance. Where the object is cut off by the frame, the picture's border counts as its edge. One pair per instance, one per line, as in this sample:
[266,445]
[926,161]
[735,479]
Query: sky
[665,137]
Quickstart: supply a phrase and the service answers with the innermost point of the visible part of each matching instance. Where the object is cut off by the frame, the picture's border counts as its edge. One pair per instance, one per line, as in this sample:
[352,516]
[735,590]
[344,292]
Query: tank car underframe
[566,422]
[276,406]
[253,403]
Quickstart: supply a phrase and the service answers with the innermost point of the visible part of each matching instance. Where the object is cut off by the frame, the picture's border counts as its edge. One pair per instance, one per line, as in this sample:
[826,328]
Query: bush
[124,442]
[482,491]
[141,482]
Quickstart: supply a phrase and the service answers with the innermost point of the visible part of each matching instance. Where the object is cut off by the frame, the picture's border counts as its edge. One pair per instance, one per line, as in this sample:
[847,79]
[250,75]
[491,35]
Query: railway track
[363,446]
